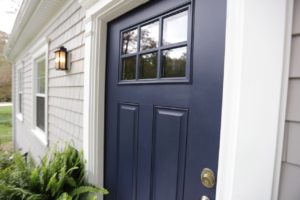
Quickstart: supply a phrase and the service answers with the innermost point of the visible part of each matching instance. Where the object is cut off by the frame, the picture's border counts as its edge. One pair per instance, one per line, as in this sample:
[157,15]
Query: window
[40,96]
[157,50]
[20,91]
[39,91]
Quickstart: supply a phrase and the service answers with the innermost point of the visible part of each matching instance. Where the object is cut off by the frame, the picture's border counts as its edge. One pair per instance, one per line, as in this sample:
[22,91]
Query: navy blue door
[163,101]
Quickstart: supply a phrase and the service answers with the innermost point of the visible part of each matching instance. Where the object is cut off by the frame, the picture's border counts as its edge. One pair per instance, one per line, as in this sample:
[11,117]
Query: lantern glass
[61,59]
[57,60]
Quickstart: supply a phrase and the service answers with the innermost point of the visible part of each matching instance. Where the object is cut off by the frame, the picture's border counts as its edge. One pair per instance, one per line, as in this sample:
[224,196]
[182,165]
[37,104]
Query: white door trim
[254,98]
[284,97]
[252,95]
[98,13]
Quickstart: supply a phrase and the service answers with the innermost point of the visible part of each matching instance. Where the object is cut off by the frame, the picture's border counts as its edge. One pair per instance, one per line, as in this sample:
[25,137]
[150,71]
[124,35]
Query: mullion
[128,55]
[137,64]
[160,44]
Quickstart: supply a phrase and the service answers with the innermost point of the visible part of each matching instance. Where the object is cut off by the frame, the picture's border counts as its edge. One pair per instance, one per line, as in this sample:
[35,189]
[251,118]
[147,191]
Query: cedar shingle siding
[65,89]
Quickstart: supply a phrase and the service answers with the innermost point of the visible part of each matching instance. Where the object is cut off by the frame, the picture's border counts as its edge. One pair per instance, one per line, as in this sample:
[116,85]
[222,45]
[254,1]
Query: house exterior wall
[65,89]
[290,171]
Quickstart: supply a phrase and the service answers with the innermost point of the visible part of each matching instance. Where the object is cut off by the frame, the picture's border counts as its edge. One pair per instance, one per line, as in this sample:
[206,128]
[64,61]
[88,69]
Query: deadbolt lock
[208,178]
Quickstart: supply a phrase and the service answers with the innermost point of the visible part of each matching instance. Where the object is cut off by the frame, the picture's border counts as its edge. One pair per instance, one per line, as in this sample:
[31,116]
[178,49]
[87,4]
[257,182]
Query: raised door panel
[168,154]
[127,152]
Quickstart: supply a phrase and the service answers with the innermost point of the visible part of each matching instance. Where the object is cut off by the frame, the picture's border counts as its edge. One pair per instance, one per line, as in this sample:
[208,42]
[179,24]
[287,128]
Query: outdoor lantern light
[61,58]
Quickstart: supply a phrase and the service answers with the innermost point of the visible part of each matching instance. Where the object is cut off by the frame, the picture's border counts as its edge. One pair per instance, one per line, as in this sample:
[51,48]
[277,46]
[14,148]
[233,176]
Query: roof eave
[32,17]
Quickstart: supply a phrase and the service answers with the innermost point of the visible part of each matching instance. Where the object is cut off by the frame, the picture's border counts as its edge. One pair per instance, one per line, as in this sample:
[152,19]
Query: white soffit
[33,16]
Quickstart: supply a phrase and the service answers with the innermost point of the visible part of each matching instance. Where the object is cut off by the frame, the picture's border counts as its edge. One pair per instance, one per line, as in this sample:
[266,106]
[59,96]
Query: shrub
[60,176]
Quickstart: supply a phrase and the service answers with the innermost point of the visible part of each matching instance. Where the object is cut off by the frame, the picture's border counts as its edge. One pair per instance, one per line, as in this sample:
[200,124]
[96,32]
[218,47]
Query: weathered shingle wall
[290,173]
[65,89]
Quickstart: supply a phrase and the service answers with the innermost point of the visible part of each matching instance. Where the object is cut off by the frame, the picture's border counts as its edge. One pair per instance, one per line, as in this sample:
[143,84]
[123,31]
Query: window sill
[20,117]
[40,135]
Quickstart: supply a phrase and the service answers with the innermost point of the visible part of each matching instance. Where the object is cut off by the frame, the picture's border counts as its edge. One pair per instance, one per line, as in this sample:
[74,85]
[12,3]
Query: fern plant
[60,176]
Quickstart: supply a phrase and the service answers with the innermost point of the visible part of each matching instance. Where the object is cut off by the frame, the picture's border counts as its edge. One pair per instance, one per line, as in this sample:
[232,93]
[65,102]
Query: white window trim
[20,117]
[248,147]
[40,52]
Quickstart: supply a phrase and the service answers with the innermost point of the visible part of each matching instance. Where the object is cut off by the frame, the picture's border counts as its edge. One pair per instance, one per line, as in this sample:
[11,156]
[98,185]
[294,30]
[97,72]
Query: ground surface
[5,127]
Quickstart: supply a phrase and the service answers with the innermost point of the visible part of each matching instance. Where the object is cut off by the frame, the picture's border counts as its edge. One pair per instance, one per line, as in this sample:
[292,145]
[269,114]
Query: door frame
[246,104]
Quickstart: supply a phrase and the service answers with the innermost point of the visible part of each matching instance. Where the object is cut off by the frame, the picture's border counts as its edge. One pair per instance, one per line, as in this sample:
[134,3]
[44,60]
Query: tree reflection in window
[149,36]
[174,62]
[128,68]
[157,49]
[130,39]
[148,63]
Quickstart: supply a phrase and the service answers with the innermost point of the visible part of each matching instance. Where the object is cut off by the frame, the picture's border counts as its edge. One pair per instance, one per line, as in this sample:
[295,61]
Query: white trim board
[98,13]
[284,97]
[252,95]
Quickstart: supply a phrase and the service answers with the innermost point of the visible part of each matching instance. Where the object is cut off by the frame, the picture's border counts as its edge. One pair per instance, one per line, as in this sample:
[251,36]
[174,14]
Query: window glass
[174,62]
[20,90]
[156,49]
[40,112]
[41,77]
[130,39]
[149,36]
[175,28]
[148,66]
[20,102]
[128,68]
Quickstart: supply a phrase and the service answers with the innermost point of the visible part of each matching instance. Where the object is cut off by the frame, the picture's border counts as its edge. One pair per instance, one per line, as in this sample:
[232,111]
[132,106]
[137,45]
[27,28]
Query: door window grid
[146,60]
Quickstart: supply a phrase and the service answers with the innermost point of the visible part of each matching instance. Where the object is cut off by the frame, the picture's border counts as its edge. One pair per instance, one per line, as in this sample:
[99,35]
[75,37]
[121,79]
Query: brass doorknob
[208,179]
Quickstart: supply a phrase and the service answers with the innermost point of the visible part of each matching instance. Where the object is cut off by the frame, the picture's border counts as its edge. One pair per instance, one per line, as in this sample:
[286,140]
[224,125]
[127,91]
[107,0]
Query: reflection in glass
[175,28]
[41,77]
[148,65]
[41,86]
[128,68]
[40,112]
[130,41]
[41,68]
[149,36]
[174,62]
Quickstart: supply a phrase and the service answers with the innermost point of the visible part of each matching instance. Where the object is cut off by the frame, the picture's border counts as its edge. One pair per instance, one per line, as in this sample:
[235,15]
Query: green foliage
[5,71]
[60,176]
[5,124]
[5,80]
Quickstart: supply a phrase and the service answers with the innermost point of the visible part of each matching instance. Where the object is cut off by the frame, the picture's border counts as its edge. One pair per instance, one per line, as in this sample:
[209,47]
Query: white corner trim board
[252,97]
[253,76]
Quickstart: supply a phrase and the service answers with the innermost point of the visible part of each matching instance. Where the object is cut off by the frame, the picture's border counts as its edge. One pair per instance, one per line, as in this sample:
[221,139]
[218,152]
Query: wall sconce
[61,59]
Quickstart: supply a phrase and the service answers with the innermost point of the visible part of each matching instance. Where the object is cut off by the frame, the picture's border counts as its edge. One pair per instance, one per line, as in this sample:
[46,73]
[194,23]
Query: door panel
[169,150]
[127,144]
[164,99]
